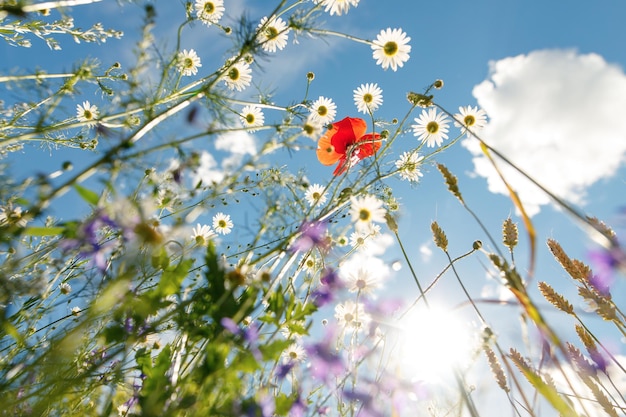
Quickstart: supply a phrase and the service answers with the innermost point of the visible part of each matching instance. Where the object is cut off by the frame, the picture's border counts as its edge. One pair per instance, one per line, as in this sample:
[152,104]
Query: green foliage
[118,305]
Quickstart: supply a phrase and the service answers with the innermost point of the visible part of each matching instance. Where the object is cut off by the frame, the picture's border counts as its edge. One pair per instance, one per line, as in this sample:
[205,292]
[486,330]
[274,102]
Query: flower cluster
[208,264]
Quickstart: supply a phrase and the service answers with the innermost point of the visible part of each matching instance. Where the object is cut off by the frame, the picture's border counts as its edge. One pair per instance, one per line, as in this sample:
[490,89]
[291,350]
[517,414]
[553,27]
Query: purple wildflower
[249,334]
[230,325]
[312,235]
[330,284]
[325,361]
[298,408]
[284,369]
[606,262]
[89,242]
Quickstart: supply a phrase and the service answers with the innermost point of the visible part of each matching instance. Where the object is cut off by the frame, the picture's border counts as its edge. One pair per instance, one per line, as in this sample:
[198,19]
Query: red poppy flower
[346,140]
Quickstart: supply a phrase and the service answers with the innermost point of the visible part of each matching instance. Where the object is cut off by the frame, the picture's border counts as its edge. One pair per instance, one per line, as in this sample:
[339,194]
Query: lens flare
[433,342]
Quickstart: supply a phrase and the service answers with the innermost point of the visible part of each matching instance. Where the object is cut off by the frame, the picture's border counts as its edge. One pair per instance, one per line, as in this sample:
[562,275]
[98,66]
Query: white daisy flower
[222,223]
[408,165]
[351,315]
[312,127]
[202,234]
[363,280]
[431,127]
[323,110]
[188,62]
[87,113]
[315,195]
[365,210]
[294,354]
[238,76]
[65,288]
[251,117]
[368,98]
[273,35]
[472,118]
[209,11]
[310,263]
[361,239]
[12,216]
[391,48]
[337,7]
[364,274]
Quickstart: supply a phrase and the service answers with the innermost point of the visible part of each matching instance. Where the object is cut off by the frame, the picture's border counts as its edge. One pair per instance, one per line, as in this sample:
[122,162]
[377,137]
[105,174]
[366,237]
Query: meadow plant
[198,270]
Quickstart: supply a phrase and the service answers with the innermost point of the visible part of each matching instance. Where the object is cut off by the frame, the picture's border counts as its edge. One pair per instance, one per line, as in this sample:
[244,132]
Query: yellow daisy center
[209,7]
[469,120]
[222,223]
[250,118]
[188,63]
[293,355]
[233,74]
[432,127]
[271,32]
[360,283]
[390,48]
[364,215]
[368,98]
[322,110]
[348,317]
[316,196]
[87,114]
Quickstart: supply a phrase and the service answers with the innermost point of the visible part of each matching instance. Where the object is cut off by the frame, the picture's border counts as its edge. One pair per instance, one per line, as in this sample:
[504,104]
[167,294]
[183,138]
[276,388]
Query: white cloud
[556,114]
[426,251]
[207,172]
[238,142]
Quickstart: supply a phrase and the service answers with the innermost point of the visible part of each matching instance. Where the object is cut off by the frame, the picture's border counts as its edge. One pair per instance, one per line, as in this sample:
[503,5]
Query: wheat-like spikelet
[577,358]
[586,338]
[563,259]
[602,227]
[509,233]
[592,348]
[547,377]
[604,402]
[555,298]
[518,359]
[583,272]
[496,369]
[451,181]
[602,306]
[439,236]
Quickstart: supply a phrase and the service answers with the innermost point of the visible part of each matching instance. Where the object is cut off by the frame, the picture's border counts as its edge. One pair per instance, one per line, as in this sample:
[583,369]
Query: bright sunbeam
[433,341]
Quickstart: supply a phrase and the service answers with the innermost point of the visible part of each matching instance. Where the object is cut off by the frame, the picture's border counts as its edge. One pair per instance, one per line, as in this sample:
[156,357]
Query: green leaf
[43,231]
[283,404]
[173,277]
[273,350]
[89,196]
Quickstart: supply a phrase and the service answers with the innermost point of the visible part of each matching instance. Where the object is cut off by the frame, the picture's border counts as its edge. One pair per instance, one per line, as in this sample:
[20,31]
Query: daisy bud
[438,84]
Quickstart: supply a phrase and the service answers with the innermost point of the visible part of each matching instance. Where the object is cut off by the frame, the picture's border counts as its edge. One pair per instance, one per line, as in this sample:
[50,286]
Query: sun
[433,342]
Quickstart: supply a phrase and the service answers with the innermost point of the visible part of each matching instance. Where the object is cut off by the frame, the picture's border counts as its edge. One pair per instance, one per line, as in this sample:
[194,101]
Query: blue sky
[558,107]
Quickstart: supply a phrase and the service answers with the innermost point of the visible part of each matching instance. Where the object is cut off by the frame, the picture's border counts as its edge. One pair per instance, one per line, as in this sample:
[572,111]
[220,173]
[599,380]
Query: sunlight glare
[432,343]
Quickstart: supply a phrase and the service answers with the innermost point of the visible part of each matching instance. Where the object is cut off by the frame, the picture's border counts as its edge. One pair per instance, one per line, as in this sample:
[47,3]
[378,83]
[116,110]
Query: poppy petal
[368,145]
[349,130]
[342,166]
[325,150]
